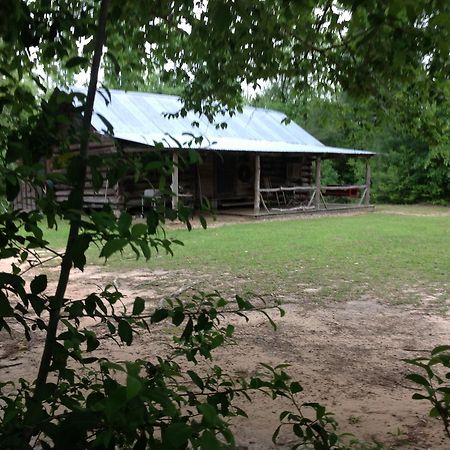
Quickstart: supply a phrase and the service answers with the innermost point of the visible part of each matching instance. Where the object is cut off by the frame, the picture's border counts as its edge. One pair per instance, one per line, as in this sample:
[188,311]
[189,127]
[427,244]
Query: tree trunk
[57,302]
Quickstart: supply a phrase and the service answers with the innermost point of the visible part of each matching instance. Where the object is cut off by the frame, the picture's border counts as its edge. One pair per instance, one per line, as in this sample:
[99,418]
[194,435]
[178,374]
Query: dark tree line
[408,126]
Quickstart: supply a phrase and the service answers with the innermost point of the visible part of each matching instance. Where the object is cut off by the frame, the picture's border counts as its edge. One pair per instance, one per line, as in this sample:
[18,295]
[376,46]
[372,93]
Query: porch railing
[288,203]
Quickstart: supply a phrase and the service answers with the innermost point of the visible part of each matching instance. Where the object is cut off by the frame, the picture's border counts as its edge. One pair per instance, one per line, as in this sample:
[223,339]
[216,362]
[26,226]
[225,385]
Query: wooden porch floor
[330,209]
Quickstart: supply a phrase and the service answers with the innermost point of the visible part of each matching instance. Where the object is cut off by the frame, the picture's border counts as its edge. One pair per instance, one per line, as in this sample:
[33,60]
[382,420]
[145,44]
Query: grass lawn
[394,255]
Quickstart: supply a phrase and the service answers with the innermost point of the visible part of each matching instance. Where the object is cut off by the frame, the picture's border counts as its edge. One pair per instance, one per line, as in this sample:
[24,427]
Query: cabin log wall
[226,179]
[27,197]
[95,199]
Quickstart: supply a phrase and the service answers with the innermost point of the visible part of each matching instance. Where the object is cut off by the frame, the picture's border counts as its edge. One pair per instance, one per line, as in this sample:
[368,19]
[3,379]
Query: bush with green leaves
[433,382]
[93,402]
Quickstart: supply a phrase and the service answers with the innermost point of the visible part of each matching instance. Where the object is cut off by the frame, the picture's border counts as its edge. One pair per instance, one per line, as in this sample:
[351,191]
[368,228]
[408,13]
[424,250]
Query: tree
[210,48]
[406,124]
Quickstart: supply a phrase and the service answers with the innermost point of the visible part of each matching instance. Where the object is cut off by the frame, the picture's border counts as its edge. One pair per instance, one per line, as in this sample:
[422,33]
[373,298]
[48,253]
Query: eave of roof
[237,145]
[141,118]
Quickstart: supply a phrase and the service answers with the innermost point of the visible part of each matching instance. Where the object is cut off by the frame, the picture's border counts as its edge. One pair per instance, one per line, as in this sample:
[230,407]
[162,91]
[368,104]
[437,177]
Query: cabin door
[226,170]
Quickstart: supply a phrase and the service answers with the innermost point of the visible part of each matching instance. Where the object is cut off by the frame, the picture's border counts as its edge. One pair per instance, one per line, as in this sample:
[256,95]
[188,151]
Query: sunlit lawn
[391,256]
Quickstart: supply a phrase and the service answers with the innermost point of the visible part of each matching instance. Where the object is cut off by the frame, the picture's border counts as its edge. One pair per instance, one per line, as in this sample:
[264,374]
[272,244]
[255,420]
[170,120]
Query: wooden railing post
[256,203]
[174,185]
[368,181]
[318,186]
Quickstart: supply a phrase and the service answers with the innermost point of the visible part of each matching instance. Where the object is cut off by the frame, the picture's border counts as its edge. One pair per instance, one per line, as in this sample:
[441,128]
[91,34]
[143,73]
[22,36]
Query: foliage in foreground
[93,402]
[433,382]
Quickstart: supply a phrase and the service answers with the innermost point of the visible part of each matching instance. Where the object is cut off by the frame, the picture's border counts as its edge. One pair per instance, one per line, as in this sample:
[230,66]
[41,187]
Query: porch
[270,184]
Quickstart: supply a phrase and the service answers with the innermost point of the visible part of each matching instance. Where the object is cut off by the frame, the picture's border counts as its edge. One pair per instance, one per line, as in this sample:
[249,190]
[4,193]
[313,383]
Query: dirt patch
[415,210]
[347,355]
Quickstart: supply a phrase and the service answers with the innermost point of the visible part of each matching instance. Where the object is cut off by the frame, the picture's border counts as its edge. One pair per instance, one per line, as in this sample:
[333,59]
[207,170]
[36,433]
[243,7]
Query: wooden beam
[368,181]
[256,203]
[174,185]
[318,186]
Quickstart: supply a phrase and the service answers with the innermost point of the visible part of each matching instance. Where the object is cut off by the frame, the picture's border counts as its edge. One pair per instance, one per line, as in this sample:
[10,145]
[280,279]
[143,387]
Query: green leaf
[203,222]
[275,434]
[440,349]
[176,436]
[196,379]
[38,284]
[94,401]
[298,431]
[295,387]
[125,332]
[138,230]
[38,303]
[8,253]
[217,341]
[114,62]
[159,315]
[90,304]
[76,61]
[139,306]
[79,251]
[418,379]
[113,246]
[124,223]
[209,441]
[109,127]
[134,386]
[434,412]
[91,341]
[145,249]
[5,307]
[178,317]
[189,328]
[209,414]
[417,396]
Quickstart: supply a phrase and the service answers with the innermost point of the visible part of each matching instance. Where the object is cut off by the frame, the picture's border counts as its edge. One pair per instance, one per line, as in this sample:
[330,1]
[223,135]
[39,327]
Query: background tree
[407,124]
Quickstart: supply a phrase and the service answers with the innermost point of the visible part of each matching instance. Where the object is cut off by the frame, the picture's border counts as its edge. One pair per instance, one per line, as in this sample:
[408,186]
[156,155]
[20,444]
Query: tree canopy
[211,47]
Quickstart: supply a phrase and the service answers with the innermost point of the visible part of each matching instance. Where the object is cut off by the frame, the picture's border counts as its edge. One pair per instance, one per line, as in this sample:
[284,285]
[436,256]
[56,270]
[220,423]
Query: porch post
[318,187]
[256,202]
[174,185]
[199,186]
[368,180]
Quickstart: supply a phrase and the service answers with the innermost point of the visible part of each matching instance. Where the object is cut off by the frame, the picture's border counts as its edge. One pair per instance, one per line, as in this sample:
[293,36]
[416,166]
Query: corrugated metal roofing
[141,118]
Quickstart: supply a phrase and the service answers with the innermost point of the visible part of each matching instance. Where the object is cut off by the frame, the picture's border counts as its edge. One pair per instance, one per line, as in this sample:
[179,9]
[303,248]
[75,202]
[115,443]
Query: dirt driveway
[346,355]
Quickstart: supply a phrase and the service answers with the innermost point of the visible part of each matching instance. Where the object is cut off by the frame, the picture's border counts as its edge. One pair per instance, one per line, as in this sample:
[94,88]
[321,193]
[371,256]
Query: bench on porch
[351,191]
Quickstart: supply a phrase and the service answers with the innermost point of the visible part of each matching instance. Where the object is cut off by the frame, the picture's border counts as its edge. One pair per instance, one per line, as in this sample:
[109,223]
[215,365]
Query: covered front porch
[262,184]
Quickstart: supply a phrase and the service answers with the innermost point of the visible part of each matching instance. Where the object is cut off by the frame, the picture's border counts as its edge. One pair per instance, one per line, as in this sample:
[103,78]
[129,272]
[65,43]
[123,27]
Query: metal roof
[141,118]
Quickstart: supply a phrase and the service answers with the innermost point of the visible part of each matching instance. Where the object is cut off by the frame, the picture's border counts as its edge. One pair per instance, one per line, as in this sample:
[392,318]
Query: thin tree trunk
[57,301]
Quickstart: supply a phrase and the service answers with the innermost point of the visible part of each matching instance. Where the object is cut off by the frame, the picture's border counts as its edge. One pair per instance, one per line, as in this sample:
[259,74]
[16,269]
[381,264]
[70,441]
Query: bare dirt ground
[346,355]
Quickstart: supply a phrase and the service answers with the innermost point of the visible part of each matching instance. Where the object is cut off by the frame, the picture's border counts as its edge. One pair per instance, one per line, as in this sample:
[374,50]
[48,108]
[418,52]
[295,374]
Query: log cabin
[259,164]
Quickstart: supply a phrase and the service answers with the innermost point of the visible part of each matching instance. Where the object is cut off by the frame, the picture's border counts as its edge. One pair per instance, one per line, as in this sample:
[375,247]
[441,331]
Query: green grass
[389,256]
[58,237]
